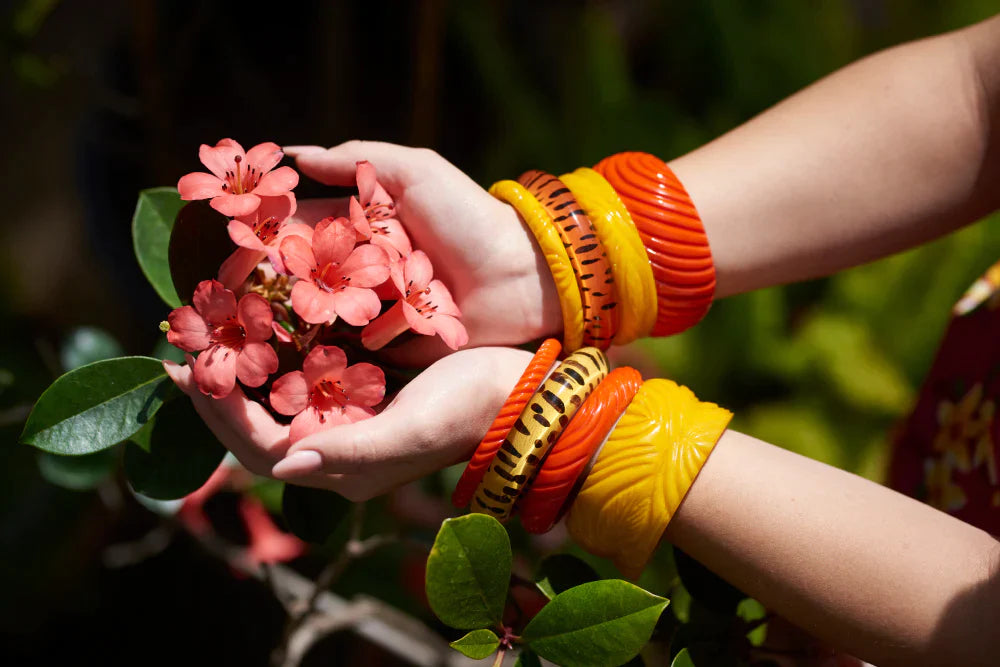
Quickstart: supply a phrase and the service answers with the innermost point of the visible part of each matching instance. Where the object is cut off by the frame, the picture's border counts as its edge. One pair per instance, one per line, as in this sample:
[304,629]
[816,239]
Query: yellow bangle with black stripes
[544,417]
[540,223]
[643,472]
[634,283]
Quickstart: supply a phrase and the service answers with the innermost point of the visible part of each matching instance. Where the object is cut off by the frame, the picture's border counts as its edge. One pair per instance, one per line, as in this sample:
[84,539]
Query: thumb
[337,165]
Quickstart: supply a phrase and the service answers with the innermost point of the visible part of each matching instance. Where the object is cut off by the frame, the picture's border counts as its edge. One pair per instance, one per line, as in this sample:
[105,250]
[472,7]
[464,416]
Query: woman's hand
[435,421]
[477,244]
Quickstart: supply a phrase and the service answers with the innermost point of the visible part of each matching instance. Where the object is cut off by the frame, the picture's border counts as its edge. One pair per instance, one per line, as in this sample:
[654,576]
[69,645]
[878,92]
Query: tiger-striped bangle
[548,412]
[673,234]
[539,508]
[634,282]
[537,370]
[539,222]
[643,472]
[591,265]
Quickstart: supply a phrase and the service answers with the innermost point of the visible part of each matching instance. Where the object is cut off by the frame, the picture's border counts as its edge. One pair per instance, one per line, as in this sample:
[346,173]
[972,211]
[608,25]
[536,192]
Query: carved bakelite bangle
[673,234]
[540,223]
[540,506]
[546,415]
[634,282]
[533,375]
[643,472]
[591,265]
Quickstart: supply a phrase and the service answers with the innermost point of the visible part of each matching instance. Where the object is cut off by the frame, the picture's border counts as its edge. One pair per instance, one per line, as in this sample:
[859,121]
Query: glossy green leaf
[682,659]
[313,514]
[152,224]
[179,457]
[561,572]
[477,645]
[468,572]
[601,623]
[78,473]
[199,244]
[85,345]
[97,406]
[527,658]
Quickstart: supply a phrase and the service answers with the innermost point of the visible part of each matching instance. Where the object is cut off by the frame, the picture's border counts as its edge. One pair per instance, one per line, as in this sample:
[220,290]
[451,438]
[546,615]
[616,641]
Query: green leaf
[199,244]
[561,572]
[164,350]
[85,345]
[599,623]
[682,659]
[477,645]
[527,658]
[180,456]
[152,224]
[78,473]
[468,572]
[313,514]
[97,406]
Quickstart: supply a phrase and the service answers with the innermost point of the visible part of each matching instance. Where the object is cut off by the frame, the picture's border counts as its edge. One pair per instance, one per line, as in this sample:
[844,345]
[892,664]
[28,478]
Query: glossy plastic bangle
[673,234]
[594,274]
[539,507]
[537,370]
[643,472]
[540,223]
[634,282]
[536,429]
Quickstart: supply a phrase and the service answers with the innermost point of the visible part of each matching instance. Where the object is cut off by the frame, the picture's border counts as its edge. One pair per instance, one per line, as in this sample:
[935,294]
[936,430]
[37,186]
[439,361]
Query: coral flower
[327,392]
[426,307]
[232,336]
[374,217]
[267,543]
[259,235]
[238,179]
[335,278]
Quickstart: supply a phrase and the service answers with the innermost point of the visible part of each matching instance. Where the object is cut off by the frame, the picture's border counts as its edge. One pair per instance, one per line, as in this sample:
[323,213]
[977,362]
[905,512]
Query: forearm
[882,155]
[862,567]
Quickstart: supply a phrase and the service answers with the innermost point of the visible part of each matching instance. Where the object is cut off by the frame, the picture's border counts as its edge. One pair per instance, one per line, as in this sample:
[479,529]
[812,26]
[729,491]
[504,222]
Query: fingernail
[294,151]
[298,464]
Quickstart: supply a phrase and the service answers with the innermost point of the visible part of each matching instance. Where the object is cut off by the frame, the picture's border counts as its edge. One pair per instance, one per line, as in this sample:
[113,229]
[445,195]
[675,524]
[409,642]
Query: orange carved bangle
[591,265]
[540,507]
[537,370]
[673,234]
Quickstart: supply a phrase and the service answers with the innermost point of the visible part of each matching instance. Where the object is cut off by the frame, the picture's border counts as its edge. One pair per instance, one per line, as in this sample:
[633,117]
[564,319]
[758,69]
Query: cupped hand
[477,244]
[435,420]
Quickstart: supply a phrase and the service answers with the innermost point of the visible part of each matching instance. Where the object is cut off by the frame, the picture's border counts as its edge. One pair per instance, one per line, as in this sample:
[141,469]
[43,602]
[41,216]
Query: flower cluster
[292,288]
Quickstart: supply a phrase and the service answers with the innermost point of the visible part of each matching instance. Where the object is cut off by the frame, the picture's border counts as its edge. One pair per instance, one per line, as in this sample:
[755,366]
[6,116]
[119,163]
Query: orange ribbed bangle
[540,507]
[673,234]
[591,265]
[537,370]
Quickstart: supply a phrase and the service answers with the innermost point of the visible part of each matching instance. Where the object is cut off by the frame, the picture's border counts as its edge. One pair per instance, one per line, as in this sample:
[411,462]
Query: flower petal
[364,384]
[220,158]
[277,182]
[356,413]
[369,190]
[290,393]
[441,298]
[297,256]
[242,235]
[215,371]
[264,157]
[417,322]
[417,271]
[367,266]
[279,208]
[214,302]
[311,421]
[236,205]
[324,362]
[391,234]
[238,266]
[333,240]
[188,329]
[452,331]
[356,305]
[254,314]
[255,362]
[358,219]
[384,328]
[313,304]
[199,185]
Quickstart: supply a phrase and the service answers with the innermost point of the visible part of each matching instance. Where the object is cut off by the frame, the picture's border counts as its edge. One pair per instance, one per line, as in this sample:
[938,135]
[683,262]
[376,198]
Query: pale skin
[883,155]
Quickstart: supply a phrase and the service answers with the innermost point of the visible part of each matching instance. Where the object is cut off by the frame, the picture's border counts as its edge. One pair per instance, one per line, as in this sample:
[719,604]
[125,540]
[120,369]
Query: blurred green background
[101,99]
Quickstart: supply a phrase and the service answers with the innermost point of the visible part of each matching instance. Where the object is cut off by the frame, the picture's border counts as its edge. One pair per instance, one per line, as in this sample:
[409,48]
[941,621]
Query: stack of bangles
[643,442]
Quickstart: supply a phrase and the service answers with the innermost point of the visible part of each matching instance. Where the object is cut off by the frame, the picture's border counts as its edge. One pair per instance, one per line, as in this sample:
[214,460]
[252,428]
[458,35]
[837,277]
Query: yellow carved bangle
[536,430]
[643,473]
[634,282]
[540,223]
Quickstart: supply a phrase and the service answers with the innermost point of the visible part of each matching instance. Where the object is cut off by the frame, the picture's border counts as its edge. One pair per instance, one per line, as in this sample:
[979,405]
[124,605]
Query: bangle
[634,282]
[673,234]
[538,368]
[540,506]
[643,472]
[593,271]
[540,224]
[536,429]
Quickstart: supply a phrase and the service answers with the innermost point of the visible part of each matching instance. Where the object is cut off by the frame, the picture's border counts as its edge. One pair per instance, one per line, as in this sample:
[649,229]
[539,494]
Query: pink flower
[233,338]
[374,217]
[327,392]
[238,180]
[267,543]
[259,235]
[426,307]
[335,278]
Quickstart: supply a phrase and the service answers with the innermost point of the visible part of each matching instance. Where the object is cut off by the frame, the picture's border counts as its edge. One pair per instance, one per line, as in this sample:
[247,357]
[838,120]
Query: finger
[311,211]
[337,165]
